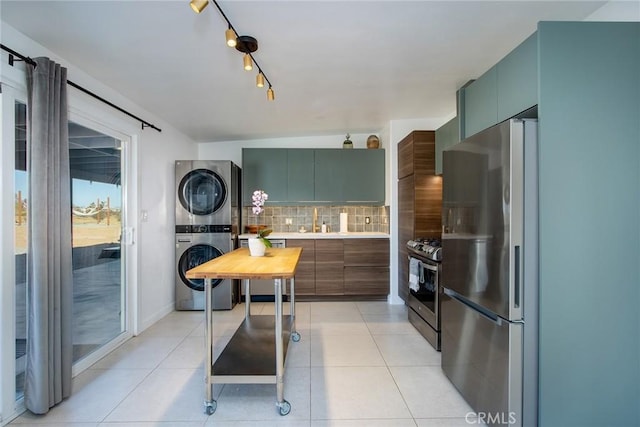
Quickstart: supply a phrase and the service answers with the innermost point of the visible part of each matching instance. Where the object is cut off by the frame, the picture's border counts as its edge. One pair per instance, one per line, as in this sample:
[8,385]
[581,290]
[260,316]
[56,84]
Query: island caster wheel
[295,337]
[285,407]
[210,407]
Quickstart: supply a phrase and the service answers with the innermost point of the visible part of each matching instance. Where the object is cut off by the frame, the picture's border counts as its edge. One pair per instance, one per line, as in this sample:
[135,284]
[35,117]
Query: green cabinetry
[447,135]
[505,90]
[518,80]
[363,177]
[264,169]
[300,175]
[481,103]
[318,176]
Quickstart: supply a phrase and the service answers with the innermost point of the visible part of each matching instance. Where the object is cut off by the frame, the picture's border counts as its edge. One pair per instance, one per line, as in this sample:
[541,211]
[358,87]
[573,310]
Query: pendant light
[198,5]
[270,95]
[260,79]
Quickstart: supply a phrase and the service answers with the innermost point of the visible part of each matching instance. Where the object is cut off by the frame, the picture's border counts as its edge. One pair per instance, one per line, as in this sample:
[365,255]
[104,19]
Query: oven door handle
[426,264]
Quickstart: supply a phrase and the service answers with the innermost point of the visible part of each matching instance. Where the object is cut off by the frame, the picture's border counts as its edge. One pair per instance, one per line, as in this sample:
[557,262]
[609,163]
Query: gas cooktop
[428,248]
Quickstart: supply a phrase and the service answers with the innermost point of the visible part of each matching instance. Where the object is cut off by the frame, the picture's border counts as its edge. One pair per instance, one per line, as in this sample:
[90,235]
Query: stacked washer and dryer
[207,223]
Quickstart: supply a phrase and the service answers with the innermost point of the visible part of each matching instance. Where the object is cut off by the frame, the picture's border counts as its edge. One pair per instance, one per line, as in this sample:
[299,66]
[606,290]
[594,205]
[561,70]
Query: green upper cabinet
[481,103]
[507,89]
[264,169]
[318,176]
[518,80]
[349,176]
[329,175]
[363,181]
[447,135]
[300,175]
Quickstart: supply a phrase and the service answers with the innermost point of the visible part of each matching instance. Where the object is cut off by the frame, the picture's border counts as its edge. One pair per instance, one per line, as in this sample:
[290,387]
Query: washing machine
[207,193]
[195,245]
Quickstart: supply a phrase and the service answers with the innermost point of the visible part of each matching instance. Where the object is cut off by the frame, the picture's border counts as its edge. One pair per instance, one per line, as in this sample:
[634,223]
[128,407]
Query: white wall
[153,169]
[617,11]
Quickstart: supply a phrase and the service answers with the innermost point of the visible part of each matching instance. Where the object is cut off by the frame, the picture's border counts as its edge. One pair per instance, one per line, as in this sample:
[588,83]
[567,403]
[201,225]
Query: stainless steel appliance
[424,256]
[489,272]
[207,193]
[262,289]
[195,245]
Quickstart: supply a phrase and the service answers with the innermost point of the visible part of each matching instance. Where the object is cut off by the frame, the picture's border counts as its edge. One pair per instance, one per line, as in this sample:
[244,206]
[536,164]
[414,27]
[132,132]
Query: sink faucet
[314,227]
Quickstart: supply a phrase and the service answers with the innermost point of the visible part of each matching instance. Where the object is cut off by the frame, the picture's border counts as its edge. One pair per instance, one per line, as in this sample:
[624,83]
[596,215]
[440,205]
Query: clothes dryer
[207,193]
[195,245]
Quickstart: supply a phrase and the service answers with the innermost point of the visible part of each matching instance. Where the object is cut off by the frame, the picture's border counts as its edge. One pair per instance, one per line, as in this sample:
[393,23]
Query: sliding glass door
[101,305]
[98,265]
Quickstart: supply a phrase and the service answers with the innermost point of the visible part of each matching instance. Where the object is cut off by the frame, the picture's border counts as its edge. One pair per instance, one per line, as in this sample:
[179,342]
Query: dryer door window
[193,257]
[202,192]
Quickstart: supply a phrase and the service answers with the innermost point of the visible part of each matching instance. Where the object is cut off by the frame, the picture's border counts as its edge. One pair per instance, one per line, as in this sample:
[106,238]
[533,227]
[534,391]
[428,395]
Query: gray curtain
[50,281]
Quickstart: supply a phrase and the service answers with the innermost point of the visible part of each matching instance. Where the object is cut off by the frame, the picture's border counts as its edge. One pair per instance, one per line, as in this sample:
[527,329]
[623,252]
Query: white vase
[256,247]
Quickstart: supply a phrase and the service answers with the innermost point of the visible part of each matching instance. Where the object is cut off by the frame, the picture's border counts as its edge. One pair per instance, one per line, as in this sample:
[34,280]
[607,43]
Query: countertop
[275,264]
[332,235]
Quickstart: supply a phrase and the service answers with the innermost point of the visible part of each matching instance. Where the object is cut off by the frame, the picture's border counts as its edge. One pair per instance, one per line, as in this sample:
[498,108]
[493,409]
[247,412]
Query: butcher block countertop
[332,235]
[277,263]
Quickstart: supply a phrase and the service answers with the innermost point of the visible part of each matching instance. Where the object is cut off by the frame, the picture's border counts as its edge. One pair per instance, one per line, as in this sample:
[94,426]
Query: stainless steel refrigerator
[490,272]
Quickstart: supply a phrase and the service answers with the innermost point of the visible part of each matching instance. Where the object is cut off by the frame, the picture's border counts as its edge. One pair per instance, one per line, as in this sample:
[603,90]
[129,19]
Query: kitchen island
[250,357]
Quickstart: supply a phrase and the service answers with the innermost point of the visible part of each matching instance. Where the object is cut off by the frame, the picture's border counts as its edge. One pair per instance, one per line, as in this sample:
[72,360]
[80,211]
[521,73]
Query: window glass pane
[20,243]
[96,198]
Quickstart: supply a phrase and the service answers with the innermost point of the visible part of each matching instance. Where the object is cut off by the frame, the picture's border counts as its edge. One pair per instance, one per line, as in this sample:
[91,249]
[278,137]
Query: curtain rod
[30,61]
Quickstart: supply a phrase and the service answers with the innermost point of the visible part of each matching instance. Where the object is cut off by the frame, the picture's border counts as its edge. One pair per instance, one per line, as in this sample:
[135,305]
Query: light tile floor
[357,364]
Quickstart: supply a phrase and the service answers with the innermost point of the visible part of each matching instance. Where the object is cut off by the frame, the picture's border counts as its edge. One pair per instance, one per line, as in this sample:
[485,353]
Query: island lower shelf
[250,355]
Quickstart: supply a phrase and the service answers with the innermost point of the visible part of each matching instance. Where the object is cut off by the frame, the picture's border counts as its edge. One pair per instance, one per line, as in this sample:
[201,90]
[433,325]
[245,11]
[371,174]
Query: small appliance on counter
[424,257]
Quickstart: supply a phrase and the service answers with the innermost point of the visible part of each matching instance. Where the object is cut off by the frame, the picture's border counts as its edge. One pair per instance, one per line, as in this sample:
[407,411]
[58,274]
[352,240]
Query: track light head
[270,94]
[230,35]
[260,79]
[248,63]
[198,5]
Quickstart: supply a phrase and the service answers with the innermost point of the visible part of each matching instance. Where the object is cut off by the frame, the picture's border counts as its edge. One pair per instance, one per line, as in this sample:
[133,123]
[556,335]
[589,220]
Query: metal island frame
[250,356]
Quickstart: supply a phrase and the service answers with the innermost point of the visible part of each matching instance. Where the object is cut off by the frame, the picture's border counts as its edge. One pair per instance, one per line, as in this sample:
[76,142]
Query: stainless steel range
[424,260]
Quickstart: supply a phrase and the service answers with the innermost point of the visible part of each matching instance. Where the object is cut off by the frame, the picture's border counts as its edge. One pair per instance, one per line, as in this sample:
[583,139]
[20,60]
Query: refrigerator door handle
[516,279]
[479,310]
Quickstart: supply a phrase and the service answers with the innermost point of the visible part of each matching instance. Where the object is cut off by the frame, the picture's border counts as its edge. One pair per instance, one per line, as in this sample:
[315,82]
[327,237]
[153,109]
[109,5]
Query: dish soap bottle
[323,229]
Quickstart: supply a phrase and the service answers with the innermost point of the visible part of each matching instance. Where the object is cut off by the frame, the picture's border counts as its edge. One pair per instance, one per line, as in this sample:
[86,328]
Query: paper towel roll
[343,222]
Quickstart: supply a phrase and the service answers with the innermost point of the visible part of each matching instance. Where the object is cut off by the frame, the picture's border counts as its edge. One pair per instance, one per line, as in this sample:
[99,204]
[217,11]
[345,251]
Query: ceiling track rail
[12,58]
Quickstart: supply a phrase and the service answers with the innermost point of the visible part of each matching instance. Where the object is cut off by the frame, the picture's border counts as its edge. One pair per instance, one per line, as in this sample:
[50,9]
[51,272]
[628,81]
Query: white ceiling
[336,66]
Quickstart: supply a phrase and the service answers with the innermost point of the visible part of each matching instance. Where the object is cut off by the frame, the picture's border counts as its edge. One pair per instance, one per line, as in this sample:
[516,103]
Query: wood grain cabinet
[306,271]
[329,267]
[419,197]
[366,267]
[342,267]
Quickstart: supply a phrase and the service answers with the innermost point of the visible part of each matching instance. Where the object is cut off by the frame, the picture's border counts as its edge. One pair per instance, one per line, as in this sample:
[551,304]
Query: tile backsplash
[275,217]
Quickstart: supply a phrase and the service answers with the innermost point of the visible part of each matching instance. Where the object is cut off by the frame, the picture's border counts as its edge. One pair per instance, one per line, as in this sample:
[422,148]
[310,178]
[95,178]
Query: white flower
[258,198]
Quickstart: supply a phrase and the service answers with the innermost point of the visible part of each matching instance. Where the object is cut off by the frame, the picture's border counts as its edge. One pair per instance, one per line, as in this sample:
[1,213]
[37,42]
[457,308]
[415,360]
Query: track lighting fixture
[245,44]
[198,5]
